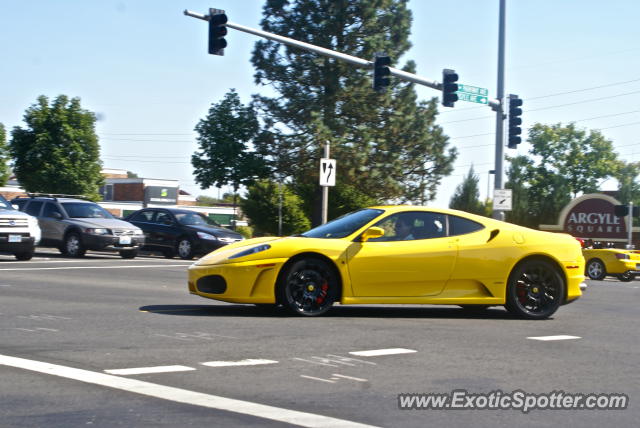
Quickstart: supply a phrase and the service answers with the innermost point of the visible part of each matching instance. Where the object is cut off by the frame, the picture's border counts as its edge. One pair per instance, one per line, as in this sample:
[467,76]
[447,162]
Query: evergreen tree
[467,195]
[58,151]
[387,145]
[4,156]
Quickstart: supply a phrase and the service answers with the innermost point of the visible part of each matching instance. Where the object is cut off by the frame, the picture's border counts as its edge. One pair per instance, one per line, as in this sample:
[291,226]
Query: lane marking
[357,379]
[558,337]
[317,378]
[379,352]
[179,395]
[95,267]
[145,370]
[247,362]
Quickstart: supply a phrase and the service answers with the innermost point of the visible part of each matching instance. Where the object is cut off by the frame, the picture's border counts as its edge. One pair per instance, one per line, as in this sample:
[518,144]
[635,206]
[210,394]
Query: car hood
[16,213]
[278,248]
[216,231]
[102,223]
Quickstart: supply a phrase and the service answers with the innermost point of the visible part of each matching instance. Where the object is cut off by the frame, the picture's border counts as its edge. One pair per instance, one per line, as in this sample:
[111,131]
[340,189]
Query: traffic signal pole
[499,109]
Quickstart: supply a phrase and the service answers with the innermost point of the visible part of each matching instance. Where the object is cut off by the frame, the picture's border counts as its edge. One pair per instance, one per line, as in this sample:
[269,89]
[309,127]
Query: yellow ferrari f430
[399,254]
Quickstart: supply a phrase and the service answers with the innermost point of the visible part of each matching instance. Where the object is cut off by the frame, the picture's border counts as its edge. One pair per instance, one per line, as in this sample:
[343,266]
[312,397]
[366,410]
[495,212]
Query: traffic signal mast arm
[403,75]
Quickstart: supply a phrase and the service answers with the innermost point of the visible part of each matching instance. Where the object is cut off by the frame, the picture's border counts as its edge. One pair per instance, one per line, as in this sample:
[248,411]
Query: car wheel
[129,254]
[596,269]
[626,277]
[185,249]
[535,290]
[73,245]
[309,287]
[25,255]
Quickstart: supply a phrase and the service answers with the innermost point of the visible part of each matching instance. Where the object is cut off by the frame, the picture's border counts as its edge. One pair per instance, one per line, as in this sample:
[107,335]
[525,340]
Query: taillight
[622,256]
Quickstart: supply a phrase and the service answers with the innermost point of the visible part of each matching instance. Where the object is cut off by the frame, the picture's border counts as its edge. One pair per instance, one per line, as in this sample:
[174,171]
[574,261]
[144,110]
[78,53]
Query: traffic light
[217,31]
[449,87]
[381,72]
[513,138]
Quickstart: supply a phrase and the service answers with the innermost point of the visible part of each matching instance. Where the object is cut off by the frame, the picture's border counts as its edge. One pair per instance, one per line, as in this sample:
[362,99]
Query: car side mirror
[56,215]
[372,232]
[16,207]
[167,221]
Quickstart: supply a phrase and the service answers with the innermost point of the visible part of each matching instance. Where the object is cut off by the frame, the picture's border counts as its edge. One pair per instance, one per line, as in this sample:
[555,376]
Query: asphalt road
[104,342]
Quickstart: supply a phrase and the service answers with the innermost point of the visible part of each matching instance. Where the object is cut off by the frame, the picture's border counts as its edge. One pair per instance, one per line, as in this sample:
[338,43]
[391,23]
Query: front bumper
[111,242]
[16,243]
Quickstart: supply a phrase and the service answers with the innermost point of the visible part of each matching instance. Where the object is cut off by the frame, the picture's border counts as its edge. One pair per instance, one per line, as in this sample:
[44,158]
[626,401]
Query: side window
[412,225]
[20,204]
[49,209]
[462,226]
[34,208]
[163,217]
[144,216]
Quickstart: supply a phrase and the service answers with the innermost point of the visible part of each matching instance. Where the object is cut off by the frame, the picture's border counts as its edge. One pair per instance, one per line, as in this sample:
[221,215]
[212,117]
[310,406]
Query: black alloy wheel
[535,290]
[309,287]
[626,277]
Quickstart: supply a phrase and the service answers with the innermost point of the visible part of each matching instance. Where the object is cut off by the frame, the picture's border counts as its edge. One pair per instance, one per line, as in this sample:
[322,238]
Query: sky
[143,68]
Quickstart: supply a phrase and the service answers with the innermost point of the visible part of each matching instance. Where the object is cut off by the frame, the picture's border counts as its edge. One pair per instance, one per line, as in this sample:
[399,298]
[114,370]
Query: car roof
[51,198]
[173,210]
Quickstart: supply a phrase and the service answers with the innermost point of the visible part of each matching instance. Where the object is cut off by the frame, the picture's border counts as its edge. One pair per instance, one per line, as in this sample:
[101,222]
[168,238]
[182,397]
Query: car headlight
[208,236]
[98,231]
[250,251]
[138,232]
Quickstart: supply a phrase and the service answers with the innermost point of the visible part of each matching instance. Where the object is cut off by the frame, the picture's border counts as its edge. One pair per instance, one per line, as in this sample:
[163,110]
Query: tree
[261,207]
[4,156]
[467,195]
[564,162]
[628,186]
[58,150]
[387,145]
[224,137]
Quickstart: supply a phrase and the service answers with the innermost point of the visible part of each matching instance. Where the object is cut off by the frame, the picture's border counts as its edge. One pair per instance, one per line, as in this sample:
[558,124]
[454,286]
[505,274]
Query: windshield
[84,210]
[345,225]
[4,204]
[195,219]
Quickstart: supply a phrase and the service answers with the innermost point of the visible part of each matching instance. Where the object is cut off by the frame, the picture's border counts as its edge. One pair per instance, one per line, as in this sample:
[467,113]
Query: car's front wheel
[535,290]
[626,277]
[24,255]
[73,245]
[309,287]
[185,249]
[596,269]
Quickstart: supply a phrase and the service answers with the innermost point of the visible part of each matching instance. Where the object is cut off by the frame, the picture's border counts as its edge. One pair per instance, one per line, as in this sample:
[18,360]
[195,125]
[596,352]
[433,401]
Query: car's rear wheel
[596,270]
[309,287]
[535,290]
[24,255]
[128,254]
[185,249]
[73,245]
[626,277]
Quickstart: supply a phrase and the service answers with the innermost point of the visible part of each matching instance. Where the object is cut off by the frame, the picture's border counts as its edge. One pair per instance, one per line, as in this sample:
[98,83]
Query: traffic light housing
[449,87]
[217,31]
[381,72]
[514,121]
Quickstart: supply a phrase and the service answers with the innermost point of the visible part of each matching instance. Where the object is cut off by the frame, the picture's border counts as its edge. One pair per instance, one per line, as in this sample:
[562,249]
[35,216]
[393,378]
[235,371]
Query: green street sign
[480,99]
[475,90]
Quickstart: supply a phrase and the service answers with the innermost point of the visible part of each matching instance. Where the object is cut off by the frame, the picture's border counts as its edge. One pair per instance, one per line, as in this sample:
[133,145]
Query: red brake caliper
[323,293]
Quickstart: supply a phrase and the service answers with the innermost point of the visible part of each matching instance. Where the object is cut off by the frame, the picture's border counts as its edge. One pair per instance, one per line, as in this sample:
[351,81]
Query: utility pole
[499,167]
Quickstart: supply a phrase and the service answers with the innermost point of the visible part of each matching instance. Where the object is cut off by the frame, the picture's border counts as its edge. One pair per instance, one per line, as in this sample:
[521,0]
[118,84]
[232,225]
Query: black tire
[24,255]
[626,277]
[308,287]
[595,269]
[184,248]
[73,245]
[128,254]
[535,290]
[169,253]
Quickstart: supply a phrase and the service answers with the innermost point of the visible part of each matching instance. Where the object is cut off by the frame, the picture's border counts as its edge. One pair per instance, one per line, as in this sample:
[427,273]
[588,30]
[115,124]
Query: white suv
[19,232]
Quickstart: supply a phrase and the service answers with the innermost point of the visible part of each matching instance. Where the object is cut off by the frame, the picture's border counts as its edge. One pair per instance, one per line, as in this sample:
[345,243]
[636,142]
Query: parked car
[19,232]
[621,264]
[449,258]
[183,232]
[76,225]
